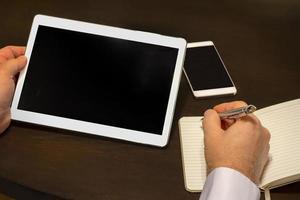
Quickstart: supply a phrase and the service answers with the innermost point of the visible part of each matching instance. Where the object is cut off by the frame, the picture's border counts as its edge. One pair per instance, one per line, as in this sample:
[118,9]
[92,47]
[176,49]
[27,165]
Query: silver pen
[237,112]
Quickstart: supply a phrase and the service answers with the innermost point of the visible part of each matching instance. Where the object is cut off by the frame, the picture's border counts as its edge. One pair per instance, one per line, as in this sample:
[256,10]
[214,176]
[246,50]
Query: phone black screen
[99,79]
[205,69]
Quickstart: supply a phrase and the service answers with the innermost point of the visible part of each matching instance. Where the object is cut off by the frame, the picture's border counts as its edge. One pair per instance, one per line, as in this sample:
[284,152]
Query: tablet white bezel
[212,91]
[93,128]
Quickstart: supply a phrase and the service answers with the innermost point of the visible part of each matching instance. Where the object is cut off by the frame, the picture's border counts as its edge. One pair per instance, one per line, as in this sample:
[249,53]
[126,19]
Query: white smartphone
[206,72]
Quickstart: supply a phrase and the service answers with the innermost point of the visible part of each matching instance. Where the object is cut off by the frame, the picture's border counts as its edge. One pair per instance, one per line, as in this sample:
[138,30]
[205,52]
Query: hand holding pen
[242,144]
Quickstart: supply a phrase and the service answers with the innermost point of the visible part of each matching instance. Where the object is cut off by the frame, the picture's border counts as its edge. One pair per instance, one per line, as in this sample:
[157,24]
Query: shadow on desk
[10,191]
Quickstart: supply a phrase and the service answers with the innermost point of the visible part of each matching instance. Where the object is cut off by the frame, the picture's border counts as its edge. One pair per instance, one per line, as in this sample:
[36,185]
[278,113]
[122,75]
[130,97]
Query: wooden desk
[259,42]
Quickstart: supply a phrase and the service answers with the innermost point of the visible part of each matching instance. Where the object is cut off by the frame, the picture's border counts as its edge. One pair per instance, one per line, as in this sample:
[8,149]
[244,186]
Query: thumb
[14,66]
[212,124]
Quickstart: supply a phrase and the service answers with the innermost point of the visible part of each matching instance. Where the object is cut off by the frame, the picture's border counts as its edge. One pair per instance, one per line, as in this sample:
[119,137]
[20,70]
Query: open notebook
[283,122]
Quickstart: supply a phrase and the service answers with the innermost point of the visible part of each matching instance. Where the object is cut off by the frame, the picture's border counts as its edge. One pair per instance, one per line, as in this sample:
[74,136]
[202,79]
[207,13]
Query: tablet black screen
[99,79]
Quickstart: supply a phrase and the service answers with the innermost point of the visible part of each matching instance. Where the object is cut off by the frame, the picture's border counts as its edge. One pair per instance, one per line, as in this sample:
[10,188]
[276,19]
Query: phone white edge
[210,92]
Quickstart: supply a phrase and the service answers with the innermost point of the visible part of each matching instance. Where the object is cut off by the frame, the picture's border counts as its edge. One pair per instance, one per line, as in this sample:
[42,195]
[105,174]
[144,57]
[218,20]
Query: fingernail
[208,112]
[24,58]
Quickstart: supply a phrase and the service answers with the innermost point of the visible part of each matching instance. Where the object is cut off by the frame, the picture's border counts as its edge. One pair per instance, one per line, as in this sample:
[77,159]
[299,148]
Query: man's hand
[242,145]
[12,62]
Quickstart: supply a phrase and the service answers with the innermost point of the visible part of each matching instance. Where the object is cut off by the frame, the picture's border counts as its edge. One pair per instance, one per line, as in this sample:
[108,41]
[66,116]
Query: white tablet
[100,80]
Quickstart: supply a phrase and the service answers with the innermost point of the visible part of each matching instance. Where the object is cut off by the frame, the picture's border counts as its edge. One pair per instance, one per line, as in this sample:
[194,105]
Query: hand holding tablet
[100,80]
[12,62]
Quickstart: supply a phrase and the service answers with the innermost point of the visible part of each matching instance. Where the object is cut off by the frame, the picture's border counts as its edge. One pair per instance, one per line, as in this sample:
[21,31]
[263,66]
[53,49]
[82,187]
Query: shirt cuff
[226,183]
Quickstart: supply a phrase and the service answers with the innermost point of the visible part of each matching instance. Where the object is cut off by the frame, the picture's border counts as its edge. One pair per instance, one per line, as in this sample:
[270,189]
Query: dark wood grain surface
[258,40]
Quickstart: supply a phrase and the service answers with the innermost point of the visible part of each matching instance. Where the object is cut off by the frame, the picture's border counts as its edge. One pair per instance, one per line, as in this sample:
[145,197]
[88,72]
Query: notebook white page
[282,120]
[192,151]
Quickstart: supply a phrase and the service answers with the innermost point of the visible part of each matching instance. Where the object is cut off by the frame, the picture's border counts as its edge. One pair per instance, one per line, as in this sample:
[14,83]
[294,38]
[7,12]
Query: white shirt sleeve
[226,183]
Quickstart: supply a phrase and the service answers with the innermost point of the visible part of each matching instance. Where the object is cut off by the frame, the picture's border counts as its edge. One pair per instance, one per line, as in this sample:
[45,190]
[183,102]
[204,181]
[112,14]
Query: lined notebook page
[192,151]
[283,121]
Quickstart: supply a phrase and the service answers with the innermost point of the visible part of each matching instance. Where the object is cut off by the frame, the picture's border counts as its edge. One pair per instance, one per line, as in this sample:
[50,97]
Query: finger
[266,155]
[247,124]
[267,134]
[251,118]
[14,66]
[226,123]
[212,124]
[17,50]
[230,105]
[264,164]
[10,52]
